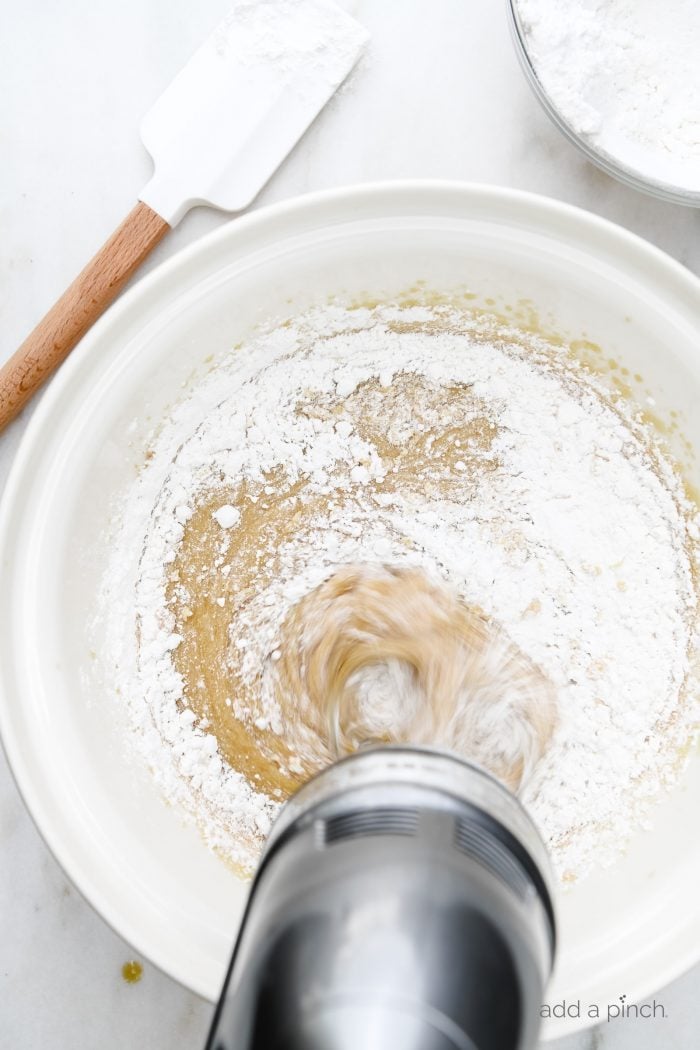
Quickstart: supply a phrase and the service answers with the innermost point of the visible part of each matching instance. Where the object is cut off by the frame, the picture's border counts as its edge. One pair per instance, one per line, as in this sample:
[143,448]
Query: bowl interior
[626,930]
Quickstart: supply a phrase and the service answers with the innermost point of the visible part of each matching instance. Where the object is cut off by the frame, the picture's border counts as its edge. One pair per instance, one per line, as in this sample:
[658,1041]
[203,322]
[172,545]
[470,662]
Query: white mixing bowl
[624,931]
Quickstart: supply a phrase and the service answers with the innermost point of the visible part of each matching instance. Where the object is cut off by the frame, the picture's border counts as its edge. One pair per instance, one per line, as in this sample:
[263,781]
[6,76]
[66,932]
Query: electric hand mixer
[402,901]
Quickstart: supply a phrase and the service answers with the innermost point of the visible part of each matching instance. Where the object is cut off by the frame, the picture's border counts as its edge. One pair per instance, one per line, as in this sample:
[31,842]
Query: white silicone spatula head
[232,114]
[216,135]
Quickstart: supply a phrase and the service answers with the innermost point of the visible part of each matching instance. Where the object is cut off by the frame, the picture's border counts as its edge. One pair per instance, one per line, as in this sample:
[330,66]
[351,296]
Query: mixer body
[402,901]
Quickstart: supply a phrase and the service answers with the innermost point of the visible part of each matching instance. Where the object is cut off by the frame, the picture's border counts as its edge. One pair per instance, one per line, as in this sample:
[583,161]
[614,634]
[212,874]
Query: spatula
[216,135]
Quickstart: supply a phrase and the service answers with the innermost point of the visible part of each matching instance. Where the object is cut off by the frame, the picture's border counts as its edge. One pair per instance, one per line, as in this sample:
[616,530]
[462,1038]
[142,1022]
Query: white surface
[440,95]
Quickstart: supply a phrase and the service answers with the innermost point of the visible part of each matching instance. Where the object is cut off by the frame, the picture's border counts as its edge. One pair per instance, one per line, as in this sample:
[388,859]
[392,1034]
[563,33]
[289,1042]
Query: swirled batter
[362,513]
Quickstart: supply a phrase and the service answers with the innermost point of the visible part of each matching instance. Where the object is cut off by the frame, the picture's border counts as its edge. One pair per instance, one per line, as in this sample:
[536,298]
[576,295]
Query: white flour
[578,541]
[626,75]
[291,37]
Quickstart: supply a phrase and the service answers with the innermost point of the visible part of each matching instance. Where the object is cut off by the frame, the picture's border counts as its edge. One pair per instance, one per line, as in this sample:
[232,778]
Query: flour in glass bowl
[625,75]
[414,436]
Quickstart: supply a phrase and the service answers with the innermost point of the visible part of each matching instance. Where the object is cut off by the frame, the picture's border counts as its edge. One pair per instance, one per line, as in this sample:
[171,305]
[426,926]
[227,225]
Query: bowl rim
[632,177]
[542,210]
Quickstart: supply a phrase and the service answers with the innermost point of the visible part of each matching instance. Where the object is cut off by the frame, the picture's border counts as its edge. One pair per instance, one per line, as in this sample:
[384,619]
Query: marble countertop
[439,94]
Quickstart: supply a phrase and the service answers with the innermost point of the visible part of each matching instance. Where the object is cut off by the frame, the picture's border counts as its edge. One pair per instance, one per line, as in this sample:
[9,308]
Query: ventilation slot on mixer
[476,842]
[371,822]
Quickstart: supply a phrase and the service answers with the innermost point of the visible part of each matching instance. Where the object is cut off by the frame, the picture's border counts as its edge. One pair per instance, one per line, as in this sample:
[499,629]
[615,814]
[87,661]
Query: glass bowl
[605,161]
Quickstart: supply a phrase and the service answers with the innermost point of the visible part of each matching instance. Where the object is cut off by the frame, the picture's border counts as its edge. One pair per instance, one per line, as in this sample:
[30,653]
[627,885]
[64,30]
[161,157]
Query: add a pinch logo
[575,1008]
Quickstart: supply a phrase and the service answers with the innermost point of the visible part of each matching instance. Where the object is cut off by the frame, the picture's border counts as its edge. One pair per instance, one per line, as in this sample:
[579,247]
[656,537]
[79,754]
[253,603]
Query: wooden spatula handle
[78,308]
